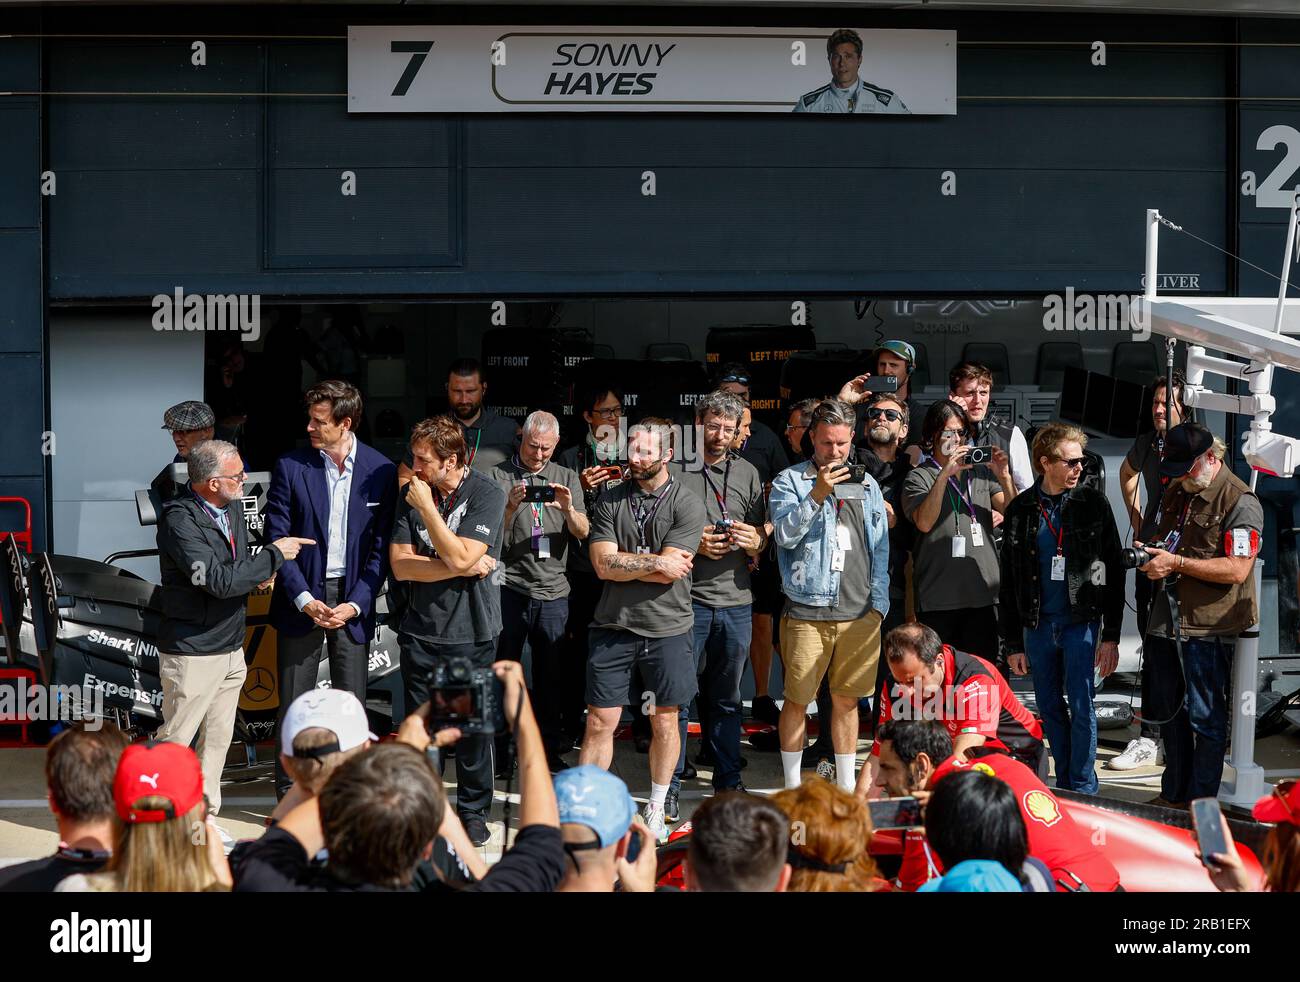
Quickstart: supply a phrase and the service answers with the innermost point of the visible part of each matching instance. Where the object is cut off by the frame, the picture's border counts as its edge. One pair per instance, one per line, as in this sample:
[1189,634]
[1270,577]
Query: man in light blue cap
[605,840]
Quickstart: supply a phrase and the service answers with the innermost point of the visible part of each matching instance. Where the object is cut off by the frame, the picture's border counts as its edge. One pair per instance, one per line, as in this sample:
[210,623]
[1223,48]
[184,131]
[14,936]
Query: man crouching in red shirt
[916,754]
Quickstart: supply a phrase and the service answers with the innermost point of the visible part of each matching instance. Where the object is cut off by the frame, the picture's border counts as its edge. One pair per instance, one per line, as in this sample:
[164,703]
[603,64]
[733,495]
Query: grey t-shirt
[577,459]
[525,571]
[464,608]
[854,599]
[1248,513]
[652,610]
[723,583]
[942,582]
[1144,456]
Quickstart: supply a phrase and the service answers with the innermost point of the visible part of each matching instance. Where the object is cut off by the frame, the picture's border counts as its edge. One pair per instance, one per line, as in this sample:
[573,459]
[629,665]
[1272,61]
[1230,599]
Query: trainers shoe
[826,770]
[672,805]
[476,828]
[765,710]
[1140,752]
[654,820]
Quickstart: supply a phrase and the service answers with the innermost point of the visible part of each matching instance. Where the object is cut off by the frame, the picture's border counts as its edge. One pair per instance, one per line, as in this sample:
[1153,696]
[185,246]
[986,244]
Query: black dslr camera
[723,526]
[466,697]
[1132,556]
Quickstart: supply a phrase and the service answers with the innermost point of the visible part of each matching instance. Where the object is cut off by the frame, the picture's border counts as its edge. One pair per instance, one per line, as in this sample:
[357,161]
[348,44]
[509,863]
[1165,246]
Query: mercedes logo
[258,685]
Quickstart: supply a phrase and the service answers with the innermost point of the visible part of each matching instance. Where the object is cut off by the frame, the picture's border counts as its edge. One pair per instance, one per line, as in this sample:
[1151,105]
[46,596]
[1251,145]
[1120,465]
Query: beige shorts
[849,649]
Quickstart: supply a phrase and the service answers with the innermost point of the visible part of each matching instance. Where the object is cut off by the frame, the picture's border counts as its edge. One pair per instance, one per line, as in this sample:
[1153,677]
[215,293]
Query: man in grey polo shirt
[535,591]
[721,599]
[644,535]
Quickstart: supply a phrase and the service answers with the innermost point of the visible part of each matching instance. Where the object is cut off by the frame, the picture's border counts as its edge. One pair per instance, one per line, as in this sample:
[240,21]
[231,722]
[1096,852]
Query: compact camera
[467,697]
[538,493]
[723,526]
[979,455]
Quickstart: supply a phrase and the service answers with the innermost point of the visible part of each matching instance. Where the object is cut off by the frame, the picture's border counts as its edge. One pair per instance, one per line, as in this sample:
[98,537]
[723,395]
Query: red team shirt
[1054,838]
[974,698]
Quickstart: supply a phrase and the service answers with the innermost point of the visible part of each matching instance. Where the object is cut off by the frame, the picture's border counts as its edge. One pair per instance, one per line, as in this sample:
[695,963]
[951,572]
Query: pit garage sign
[591,69]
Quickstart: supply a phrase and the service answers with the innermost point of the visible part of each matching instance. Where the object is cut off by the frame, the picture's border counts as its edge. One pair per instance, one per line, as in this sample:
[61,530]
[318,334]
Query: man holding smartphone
[832,535]
[721,598]
[544,515]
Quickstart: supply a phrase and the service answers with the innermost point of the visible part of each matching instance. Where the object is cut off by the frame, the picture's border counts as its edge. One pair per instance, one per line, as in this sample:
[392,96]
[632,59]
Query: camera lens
[458,671]
[1132,558]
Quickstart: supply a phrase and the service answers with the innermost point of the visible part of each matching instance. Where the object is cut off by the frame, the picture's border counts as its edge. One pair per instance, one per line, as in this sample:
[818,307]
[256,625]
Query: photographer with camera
[951,502]
[892,358]
[1063,599]
[1202,565]
[545,513]
[644,535]
[721,598]
[970,385]
[381,811]
[446,541]
[830,525]
[1143,463]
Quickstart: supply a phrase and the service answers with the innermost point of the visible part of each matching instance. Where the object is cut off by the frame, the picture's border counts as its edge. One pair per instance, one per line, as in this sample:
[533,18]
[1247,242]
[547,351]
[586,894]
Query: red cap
[1283,805]
[164,770]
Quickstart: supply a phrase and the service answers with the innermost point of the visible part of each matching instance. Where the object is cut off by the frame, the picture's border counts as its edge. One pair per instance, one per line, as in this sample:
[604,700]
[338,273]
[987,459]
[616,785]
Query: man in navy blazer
[344,493]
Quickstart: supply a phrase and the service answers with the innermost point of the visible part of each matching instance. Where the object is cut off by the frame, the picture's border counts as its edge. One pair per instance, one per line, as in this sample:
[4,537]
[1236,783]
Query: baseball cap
[189,415]
[1183,444]
[592,796]
[974,876]
[164,770]
[1282,805]
[900,348]
[336,710]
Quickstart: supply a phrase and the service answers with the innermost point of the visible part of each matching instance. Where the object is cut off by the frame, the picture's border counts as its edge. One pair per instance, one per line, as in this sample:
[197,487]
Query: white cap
[336,710]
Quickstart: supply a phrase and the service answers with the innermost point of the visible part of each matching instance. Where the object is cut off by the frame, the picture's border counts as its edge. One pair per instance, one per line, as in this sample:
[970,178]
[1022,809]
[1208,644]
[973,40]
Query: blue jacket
[297,503]
[805,536]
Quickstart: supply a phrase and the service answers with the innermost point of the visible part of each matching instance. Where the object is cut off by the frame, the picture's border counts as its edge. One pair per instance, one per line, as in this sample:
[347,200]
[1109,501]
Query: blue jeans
[721,646]
[1062,657]
[1196,731]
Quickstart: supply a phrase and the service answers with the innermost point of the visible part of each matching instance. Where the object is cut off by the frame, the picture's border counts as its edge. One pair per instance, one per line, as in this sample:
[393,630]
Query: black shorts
[667,667]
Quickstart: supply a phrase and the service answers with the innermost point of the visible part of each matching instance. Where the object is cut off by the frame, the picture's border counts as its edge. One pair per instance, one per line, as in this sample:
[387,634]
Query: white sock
[844,775]
[791,762]
[657,794]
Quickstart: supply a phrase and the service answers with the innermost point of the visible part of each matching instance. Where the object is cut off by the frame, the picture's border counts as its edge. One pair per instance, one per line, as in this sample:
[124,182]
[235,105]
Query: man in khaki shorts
[832,535]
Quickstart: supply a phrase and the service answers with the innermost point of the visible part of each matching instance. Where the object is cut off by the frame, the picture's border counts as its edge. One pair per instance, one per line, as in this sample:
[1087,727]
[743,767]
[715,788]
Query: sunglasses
[1072,463]
[733,377]
[893,415]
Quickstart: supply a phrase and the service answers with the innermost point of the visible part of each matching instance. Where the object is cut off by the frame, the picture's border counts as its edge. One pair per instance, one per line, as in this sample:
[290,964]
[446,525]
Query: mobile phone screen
[1208,820]
[895,813]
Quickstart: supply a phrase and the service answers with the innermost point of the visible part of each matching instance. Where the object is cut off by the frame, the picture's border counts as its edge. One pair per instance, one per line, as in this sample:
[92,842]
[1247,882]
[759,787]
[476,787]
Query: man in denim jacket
[833,552]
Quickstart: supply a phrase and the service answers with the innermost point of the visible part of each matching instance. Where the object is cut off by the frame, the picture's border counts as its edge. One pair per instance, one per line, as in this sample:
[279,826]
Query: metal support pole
[1243,779]
[1153,250]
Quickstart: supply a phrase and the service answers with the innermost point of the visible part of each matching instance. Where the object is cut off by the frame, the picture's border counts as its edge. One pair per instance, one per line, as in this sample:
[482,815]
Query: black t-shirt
[765,451]
[462,609]
[43,875]
[890,475]
[277,863]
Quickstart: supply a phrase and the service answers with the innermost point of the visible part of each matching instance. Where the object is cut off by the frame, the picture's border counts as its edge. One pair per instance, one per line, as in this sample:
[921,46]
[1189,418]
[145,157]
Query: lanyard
[643,516]
[478,435]
[1059,533]
[726,481]
[952,499]
[445,510]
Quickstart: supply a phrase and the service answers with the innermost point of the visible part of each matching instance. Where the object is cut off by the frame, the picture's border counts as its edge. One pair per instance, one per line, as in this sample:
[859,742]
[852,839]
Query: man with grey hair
[721,598]
[207,574]
[545,513]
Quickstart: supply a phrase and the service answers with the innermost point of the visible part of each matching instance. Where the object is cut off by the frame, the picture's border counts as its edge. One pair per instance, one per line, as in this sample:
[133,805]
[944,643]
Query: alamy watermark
[181,311]
[1096,312]
[54,703]
[687,441]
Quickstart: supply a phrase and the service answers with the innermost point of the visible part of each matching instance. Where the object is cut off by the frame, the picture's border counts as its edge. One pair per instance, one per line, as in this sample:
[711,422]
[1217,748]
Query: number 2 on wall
[1271,194]
[419,50]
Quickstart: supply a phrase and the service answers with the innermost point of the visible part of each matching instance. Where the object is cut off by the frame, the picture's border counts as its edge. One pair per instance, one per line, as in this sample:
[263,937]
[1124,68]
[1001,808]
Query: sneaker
[765,710]
[476,828]
[672,805]
[654,820]
[1140,752]
[826,770]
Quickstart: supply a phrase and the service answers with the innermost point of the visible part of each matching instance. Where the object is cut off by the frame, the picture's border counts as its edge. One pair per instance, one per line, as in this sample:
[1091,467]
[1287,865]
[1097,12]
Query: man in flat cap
[190,422]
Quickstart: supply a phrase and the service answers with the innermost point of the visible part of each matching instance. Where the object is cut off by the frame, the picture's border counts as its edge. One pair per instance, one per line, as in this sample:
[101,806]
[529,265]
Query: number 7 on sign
[418,50]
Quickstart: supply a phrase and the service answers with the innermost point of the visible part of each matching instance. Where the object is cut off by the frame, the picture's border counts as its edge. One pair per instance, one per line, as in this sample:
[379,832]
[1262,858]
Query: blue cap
[974,876]
[592,796]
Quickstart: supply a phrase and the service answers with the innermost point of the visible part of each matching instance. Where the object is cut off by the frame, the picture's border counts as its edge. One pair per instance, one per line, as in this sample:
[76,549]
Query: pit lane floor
[27,829]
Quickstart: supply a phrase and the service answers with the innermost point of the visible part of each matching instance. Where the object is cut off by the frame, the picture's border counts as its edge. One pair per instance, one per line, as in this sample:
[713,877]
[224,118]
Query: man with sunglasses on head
[207,575]
[1062,599]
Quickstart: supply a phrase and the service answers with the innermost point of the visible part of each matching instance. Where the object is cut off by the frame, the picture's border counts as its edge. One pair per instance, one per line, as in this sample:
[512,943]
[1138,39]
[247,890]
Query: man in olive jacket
[207,575]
